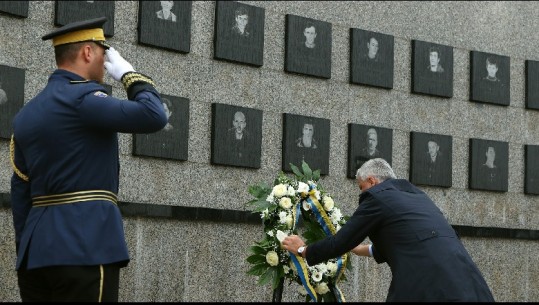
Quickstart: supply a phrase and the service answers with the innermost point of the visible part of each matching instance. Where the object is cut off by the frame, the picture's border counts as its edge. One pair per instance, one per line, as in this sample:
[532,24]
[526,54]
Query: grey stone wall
[176,260]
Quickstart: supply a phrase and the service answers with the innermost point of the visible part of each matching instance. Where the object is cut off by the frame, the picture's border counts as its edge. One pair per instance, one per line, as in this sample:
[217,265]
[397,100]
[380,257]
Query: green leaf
[266,277]
[316,175]
[278,273]
[258,270]
[258,250]
[307,172]
[256,259]
[296,171]
[258,206]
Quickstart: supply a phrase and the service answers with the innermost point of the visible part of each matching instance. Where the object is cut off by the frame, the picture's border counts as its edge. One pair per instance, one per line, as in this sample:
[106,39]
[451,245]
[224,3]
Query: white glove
[116,65]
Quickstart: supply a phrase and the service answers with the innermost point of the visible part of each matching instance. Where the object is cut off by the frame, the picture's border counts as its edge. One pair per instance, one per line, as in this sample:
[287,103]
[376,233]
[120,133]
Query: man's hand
[116,65]
[292,243]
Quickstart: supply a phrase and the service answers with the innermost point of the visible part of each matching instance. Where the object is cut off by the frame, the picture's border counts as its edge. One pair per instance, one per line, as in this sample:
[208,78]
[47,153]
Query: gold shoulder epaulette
[12,155]
[78,81]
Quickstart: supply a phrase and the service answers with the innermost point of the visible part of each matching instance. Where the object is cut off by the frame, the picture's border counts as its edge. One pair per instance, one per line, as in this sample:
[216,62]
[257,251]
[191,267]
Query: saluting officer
[68,228]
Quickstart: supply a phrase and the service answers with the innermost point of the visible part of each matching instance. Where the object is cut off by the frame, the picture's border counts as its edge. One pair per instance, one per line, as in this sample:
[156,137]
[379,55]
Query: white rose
[281,235]
[272,258]
[302,188]
[332,268]
[328,203]
[306,205]
[322,288]
[289,221]
[285,203]
[279,190]
[317,276]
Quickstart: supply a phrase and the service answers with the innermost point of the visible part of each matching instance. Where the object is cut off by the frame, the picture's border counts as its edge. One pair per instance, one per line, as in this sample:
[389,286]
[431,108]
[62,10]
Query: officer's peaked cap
[86,30]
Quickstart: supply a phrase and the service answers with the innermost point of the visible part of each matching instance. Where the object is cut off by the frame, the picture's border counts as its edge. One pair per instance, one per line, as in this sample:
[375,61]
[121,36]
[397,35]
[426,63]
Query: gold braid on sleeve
[130,78]
[12,155]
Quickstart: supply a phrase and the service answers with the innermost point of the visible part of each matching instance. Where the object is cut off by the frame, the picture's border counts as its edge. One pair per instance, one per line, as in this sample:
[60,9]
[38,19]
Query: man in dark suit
[408,232]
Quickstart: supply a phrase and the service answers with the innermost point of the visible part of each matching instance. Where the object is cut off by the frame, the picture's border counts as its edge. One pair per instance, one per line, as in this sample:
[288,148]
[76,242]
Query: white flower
[285,203]
[270,233]
[279,190]
[302,187]
[328,203]
[264,214]
[336,215]
[281,235]
[286,269]
[317,194]
[317,276]
[291,191]
[322,267]
[270,197]
[332,268]
[338,227]
[289,221]
[282,217]
[306,205]
[322,288]
[272,258]
[302,290]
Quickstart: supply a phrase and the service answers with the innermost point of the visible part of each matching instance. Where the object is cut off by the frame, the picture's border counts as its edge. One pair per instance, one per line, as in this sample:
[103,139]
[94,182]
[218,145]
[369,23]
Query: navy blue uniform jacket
[66,141]
[427,259]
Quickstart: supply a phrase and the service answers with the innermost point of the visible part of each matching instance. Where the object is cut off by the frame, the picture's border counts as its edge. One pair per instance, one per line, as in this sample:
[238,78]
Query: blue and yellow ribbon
[328,227]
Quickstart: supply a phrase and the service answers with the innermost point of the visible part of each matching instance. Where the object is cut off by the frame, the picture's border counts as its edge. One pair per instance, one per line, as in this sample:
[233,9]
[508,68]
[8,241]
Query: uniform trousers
[98,283]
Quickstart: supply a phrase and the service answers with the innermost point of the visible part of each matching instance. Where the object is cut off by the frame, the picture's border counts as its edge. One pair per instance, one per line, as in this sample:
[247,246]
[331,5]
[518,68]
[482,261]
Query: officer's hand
[116,65]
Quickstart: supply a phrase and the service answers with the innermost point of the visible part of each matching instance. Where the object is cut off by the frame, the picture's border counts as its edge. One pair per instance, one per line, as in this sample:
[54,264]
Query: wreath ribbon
[328,227]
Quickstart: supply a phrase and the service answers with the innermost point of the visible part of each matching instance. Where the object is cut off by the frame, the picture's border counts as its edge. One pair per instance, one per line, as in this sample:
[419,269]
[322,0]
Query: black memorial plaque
[239,33]
[531,170]
[305,139]
[308,46]
[488,167]
[367,142]
[532,84]
[15,8]
[165,24]
[371,58]
[432,69]
[11,97]
[489,78]
[71,11]
[236,136]
[431,159]
[171,142]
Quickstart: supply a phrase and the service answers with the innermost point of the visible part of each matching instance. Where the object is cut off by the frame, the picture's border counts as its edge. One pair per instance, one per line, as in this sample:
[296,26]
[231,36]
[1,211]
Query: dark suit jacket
[409,233]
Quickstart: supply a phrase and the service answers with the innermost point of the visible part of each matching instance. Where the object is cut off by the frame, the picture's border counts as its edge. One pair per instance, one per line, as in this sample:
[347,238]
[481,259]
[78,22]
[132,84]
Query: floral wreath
[280,208]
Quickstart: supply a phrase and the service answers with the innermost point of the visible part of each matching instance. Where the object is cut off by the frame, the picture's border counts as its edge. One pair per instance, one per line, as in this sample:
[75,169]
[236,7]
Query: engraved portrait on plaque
[371,58]
[11,97]
[308,46]
[305,139]
[432,69]
[236,136]
[367,142]
[165,24]
[239,33]
[171,142]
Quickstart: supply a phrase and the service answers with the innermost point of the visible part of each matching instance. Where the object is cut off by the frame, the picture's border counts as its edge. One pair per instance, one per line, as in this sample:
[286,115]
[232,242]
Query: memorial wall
[446,92]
